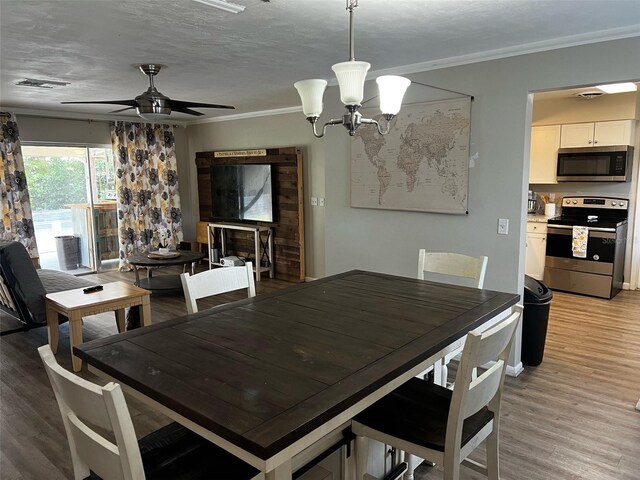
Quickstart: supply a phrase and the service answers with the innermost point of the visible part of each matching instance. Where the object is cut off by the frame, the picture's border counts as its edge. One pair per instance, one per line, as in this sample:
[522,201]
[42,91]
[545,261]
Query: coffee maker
[532,202]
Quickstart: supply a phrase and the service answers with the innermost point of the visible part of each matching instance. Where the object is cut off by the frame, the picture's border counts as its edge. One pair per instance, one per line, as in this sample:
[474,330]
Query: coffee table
[75,304]
[164,282]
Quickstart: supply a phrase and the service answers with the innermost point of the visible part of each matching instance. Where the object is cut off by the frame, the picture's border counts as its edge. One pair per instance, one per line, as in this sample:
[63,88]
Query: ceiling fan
[153,105]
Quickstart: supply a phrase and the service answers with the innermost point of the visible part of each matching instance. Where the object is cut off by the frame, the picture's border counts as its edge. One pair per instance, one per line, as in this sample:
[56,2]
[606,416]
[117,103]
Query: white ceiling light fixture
[223,5]
[618,87]
[351,77]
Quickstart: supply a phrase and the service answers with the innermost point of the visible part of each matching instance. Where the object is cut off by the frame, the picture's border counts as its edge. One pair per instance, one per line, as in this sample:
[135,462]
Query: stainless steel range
[601,272]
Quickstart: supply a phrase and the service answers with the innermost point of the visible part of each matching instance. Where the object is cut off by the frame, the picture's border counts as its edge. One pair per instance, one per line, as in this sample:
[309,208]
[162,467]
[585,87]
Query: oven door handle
[598,232]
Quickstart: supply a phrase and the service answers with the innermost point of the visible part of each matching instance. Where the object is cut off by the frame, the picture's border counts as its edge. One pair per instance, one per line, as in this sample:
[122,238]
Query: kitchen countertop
[537,218]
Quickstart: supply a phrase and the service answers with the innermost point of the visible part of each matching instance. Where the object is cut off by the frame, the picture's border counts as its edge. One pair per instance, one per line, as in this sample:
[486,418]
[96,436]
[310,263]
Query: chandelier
[351,76]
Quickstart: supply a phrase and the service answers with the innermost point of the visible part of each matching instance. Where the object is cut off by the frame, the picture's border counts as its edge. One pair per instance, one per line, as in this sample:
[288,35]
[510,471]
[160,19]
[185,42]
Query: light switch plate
[321,201]
[503,226]
[314,201]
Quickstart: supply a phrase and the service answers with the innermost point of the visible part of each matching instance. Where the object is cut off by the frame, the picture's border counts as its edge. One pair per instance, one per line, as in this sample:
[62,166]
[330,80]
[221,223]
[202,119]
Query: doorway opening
[580,118]
[73,198]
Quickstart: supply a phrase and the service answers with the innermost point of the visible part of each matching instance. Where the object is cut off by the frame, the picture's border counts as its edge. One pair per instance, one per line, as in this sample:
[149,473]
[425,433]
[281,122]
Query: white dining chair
[170,452]
[451,265]
[429,421]
[215,282]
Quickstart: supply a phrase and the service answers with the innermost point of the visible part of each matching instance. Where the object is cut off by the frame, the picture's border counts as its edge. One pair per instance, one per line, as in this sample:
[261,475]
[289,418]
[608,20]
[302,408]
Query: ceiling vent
[589,95]
[32,82]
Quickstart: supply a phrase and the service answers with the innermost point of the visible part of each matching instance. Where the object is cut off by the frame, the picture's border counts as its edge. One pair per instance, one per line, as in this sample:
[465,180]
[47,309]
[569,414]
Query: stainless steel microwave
[595,164]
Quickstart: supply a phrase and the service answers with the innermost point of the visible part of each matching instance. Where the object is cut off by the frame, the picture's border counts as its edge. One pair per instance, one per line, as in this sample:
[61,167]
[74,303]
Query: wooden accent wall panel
[288,225]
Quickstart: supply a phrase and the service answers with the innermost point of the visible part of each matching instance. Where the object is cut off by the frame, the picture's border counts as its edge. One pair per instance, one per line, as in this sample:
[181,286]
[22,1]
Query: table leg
[281,472]
[135,269]
[75,337]
[270,245]
[120,320]
[145,311]
[53,329]
[256,246]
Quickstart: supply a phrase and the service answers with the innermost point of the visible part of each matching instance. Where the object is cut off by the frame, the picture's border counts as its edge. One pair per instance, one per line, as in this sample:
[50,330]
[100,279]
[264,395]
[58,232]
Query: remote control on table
[95,288]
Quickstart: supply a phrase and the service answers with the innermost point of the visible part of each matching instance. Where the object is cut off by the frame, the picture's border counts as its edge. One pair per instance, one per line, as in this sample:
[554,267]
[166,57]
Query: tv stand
[263,246]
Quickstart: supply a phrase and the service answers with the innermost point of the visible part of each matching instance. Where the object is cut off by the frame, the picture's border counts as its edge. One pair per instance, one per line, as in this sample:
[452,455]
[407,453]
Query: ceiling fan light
[392,89]
[618,87]
[153,113]
[311,93]
[351,76]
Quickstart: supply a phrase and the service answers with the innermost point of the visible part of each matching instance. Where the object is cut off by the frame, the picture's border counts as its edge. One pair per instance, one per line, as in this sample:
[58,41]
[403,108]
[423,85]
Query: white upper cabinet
[613,133]
[598,134]
[545,141]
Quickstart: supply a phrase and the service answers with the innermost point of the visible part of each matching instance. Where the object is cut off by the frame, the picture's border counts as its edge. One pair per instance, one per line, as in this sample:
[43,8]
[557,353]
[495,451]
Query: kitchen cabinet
[536,249]
[545,141]
[597,134]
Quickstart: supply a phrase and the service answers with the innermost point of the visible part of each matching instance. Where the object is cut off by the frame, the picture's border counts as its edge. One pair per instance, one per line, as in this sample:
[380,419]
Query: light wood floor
[572,417]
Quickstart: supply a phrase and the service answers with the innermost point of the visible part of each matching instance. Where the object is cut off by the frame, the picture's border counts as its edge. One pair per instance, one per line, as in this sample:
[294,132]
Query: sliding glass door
[72,190]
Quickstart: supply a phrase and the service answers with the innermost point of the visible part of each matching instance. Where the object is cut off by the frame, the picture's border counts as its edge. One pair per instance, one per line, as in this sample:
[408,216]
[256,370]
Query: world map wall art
[421,165]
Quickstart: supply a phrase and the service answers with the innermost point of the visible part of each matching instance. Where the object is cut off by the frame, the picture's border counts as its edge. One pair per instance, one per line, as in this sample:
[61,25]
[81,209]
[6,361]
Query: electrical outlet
[314,201]
[503,226]
[321,201]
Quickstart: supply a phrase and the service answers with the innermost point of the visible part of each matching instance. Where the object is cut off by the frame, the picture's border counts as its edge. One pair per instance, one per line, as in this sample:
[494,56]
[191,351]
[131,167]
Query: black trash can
[68,249]
[537,301]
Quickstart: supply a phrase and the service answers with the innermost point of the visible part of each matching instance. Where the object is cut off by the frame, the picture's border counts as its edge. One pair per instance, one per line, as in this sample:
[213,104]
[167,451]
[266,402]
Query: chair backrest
[215,282]
[22,282]
[84,406]
[471,395]
[453,264]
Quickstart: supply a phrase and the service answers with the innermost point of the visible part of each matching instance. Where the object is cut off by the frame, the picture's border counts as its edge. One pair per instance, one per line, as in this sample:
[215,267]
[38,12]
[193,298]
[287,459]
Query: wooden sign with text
[241,153]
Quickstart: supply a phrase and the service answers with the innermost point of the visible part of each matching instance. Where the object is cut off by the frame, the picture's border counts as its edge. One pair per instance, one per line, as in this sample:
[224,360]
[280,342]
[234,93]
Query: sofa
[23,287]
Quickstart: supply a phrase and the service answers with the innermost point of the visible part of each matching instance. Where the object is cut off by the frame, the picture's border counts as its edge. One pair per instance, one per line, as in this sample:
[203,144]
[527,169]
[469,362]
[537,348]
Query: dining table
[276,379]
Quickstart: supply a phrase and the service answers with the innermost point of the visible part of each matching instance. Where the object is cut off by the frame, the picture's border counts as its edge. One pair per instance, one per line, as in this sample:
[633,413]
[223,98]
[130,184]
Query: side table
[75,304]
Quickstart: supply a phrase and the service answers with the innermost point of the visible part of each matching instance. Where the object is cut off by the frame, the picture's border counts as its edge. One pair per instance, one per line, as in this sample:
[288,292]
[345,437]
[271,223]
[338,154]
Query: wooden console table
[259,249]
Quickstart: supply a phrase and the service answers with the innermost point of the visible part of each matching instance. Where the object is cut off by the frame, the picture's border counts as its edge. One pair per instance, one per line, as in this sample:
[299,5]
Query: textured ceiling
[251,59]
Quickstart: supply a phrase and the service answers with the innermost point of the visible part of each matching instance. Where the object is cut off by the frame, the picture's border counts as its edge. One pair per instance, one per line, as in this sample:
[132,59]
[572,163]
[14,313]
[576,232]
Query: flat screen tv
[242,192]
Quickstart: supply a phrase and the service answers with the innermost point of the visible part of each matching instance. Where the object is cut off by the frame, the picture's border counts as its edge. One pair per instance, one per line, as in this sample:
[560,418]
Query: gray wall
[56,130]
[501,119]
[286,130]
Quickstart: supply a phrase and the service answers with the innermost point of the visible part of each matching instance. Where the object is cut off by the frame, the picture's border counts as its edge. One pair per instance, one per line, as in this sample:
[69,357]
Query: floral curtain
[147,184]
[17,222]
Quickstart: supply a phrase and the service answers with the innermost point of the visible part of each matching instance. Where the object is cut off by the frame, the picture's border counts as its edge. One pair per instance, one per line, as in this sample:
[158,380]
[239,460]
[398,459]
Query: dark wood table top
[264,372]
[142,260]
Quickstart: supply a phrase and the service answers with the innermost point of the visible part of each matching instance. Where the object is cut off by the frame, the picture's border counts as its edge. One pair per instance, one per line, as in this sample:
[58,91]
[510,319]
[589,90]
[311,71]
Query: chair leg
[493,455]
[362,456]
[445,373]
[412,464]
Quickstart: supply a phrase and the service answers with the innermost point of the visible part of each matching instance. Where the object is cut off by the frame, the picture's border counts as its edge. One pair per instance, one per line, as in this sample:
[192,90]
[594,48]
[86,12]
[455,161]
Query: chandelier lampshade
[351,76]
[391,89]
[311,93]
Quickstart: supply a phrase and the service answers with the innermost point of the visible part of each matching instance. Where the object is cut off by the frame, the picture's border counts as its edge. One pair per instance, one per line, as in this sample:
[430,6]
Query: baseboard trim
[626,286]
[512,370]
[309,279]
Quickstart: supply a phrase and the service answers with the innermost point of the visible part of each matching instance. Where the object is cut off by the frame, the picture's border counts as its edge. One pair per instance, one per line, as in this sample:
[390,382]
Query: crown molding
[57,114]
[242,116]
[525,49]
[535,47]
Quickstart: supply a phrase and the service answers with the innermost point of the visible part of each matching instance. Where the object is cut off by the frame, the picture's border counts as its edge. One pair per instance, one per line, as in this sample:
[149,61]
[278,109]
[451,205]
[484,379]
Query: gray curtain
[17,220]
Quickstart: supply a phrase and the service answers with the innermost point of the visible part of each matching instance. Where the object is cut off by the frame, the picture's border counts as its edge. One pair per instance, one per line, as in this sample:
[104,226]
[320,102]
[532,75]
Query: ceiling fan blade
[123,109]
[188,111]
[177,104]
[131,103]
